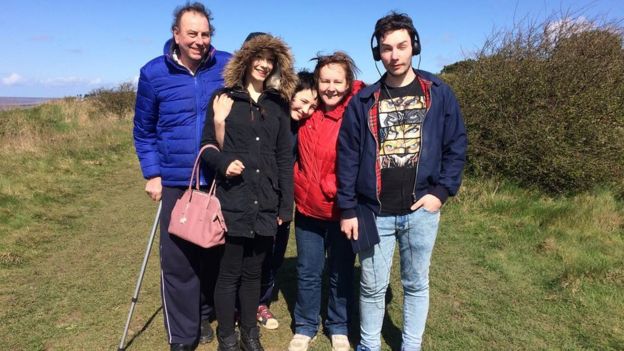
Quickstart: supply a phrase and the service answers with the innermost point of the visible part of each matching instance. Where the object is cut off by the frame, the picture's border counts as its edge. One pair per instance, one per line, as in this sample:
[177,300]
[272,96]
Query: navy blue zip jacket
[441,160]
[170,112]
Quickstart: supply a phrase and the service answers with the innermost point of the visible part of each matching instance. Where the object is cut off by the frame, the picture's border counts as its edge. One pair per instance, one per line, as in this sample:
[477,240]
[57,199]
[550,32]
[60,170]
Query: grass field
[512,269]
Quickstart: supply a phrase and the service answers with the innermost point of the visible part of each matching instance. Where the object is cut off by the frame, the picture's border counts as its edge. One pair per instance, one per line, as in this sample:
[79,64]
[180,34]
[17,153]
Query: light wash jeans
[416,233]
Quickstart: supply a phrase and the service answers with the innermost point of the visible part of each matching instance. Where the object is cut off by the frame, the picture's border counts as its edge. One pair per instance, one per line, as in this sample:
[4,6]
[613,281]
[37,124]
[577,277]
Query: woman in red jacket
[317,227]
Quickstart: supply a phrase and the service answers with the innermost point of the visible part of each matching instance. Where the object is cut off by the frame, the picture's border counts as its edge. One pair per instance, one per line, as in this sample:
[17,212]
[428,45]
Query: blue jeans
[314,238]
[416,233]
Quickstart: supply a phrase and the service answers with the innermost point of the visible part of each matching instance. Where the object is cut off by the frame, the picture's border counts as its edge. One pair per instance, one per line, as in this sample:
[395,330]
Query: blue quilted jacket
[170,112]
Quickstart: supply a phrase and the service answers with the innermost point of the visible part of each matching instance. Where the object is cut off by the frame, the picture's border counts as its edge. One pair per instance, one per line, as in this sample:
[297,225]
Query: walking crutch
[135,297]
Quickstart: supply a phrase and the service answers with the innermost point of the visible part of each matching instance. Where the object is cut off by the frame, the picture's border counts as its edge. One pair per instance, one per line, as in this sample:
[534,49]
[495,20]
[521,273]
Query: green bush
[544,105]
[118,101]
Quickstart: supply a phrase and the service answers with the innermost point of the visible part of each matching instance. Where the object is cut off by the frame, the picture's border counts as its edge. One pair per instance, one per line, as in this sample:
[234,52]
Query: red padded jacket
[315,168]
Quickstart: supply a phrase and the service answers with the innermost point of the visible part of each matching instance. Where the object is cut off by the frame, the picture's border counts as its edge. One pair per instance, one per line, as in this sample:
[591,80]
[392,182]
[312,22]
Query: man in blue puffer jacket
[173,94]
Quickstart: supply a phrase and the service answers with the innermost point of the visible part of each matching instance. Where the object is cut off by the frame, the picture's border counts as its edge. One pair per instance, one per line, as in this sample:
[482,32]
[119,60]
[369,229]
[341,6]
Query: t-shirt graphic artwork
[401,114]
[400,121]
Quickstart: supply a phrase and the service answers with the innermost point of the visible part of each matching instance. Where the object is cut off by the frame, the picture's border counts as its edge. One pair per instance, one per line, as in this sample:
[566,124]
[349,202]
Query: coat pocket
[233,193]
[270,192]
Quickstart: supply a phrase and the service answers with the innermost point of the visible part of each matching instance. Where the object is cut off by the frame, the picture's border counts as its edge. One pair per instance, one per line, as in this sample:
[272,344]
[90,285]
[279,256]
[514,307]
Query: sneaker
[266,318]
[299,342]
[340,343]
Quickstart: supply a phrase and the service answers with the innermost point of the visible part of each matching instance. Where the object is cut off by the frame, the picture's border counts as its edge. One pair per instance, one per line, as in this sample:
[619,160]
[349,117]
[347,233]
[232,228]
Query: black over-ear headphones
[415,43]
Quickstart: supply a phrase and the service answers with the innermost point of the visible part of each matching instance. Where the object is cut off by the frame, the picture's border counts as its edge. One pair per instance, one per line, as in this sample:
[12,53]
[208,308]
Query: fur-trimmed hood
[283,78]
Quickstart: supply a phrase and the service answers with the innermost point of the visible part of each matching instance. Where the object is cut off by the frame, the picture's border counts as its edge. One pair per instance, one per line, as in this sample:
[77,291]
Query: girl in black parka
[250,120]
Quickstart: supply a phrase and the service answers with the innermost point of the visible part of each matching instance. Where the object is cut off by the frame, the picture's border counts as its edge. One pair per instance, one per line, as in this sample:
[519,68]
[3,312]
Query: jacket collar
[423,76]
[338,112]
[240,93]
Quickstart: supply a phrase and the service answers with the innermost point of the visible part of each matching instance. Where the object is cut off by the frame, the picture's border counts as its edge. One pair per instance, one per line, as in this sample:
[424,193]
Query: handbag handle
[195,173]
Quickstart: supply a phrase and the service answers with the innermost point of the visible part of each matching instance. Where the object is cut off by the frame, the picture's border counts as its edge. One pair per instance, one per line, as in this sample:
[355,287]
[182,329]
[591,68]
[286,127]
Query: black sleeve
[284,157]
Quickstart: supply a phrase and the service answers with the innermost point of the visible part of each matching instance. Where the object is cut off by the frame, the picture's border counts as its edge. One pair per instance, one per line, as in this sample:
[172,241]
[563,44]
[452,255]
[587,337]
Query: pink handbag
[197,216]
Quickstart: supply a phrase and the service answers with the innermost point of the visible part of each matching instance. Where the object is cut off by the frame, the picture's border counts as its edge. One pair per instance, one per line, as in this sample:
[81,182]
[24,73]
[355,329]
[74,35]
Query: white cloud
[70,80]
[62,81]
[567,26]
[12,79]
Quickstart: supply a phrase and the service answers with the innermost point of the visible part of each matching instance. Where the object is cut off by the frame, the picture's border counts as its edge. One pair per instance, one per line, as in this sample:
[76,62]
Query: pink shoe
[266,318]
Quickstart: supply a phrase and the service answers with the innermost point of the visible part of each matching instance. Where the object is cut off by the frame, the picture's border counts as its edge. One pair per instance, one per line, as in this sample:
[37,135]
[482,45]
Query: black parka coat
[258,134]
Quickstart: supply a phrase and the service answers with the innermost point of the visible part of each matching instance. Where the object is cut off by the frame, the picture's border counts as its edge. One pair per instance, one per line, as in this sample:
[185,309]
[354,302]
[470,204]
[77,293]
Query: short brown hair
[196,7]
[341,58]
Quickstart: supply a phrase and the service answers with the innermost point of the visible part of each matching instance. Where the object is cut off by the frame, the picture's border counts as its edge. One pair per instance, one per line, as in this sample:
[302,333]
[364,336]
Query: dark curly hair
[394,21]
[196,7]
[305,81]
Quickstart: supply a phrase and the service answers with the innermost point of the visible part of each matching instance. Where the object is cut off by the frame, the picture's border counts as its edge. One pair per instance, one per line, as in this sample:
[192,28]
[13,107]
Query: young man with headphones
[401,153]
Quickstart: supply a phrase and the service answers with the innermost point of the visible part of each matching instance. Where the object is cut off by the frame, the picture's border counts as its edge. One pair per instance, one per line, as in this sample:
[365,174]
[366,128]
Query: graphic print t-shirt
[401,114]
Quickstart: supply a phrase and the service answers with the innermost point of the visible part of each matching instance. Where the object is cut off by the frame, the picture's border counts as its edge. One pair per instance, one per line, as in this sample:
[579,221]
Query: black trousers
[272,263]
[240,271]
[188,278]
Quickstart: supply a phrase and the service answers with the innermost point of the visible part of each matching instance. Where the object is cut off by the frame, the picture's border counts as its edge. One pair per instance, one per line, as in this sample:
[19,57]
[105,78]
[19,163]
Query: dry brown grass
[65,120]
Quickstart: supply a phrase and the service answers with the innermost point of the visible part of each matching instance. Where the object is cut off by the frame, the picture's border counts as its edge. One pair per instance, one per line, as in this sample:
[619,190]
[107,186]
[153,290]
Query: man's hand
[234,169]
[349,227]
[428,202]
[153,188]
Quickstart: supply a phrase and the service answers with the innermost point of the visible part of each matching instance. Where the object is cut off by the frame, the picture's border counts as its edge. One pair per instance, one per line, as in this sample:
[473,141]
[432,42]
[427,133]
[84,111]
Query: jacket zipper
[422,137]
[197,118]
[198,128]
[376,148]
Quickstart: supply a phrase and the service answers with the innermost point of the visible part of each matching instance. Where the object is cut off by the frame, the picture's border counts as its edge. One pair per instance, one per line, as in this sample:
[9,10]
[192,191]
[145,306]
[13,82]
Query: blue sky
[60,48]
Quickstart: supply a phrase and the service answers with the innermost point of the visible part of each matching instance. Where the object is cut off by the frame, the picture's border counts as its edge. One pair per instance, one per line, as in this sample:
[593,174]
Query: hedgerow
[544,105]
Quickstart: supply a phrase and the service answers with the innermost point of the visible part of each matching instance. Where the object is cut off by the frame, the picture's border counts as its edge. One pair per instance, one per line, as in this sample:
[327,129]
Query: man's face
[396,52]
[192,37]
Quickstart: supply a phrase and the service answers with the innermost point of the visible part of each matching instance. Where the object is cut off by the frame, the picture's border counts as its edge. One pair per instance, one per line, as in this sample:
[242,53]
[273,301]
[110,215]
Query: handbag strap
[195,173]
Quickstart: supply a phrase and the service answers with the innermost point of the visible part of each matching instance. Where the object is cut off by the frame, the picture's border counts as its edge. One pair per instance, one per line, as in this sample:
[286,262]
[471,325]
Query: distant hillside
[12,102]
